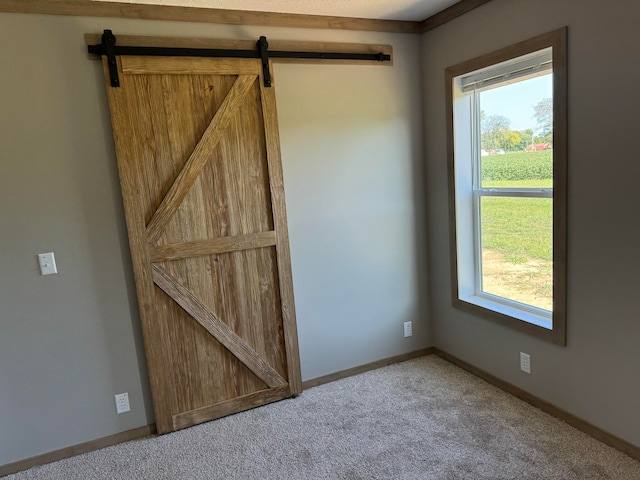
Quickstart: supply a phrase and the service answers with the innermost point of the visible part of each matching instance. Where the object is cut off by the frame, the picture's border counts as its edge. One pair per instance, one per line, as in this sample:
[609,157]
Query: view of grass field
[517,233]
[533,167]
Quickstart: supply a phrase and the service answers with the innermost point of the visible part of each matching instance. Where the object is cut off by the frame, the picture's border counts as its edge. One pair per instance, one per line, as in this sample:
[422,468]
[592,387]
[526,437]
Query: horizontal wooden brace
[235,405]
[177,251]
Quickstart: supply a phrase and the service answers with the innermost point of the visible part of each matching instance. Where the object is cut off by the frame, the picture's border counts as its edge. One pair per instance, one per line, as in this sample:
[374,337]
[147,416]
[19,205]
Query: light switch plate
[47,263]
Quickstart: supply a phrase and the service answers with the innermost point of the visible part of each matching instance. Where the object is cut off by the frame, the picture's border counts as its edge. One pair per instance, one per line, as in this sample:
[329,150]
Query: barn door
[199,163]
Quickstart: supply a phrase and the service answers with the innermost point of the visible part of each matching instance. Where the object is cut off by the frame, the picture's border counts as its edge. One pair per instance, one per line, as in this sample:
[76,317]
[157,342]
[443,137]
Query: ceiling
[415,10]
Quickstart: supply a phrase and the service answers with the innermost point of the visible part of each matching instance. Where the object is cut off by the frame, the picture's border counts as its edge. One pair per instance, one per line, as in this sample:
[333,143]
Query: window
[507,180]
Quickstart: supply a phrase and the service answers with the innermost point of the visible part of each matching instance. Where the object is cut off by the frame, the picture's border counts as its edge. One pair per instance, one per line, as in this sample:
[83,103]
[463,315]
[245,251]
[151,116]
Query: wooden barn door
[199,162]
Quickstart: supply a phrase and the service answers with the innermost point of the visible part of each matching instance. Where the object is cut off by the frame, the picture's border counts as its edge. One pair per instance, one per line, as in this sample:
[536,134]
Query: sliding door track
[109,49]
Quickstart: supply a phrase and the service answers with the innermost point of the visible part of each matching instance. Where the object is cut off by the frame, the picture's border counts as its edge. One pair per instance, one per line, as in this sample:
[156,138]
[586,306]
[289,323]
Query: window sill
[539,320]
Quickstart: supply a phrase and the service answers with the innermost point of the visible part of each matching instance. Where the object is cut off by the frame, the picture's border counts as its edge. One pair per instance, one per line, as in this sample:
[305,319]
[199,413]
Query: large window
[507,178]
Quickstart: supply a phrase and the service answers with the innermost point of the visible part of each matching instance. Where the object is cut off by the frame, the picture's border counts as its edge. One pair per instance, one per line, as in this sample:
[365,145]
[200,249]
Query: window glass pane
[517,249]
[516,138]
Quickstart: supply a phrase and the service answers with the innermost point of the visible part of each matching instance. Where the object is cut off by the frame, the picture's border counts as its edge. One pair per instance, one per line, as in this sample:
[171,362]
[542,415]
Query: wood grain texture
[230,197]
[223,409]
[274,45]
[88,8]
[124,129]
[448,14]
[215,253]
[199,157]
[79,449]
[135,65]
[205,317]
[203,371]
[599,434]
[178,251]
[282,233]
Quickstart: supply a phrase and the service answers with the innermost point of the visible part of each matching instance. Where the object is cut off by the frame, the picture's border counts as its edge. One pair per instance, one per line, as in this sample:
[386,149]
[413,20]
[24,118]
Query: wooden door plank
[199,157]
[176,251]
[224,298]
[175,127]
[222,409]
[271,306]
[169,132]
[189,109]
[276,180]
[223,376]
[227,337]
[134,65]
[247,199]
[128,151]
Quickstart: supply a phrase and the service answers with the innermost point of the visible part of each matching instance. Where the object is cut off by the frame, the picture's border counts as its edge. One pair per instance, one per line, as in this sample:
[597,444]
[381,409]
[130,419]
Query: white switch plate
[47,263]
[408,329]
[122,403]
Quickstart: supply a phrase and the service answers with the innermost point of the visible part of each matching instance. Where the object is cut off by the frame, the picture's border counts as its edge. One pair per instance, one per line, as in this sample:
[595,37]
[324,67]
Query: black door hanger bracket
[109,49]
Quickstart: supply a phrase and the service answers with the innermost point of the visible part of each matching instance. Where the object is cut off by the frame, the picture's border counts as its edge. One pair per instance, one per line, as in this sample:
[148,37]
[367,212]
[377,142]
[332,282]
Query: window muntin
[509,233]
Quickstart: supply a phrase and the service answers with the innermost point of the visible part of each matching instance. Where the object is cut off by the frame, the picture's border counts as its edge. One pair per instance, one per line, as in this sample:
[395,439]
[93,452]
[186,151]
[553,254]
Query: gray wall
[353,164]
[595,376]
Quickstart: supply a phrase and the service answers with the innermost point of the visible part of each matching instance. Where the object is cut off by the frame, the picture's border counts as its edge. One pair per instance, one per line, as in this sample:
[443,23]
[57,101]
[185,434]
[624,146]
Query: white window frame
[516,63]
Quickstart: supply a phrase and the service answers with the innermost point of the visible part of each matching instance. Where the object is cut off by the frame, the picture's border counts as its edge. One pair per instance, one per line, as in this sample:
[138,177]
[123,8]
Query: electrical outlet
[525,362]
[408,329]
[122,403]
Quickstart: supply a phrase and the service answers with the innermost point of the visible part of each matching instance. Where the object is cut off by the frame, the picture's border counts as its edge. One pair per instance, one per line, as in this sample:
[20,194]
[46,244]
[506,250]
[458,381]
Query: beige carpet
[422,419]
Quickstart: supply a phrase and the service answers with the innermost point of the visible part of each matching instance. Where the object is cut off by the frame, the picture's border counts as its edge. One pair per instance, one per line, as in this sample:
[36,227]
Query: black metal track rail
[109,48]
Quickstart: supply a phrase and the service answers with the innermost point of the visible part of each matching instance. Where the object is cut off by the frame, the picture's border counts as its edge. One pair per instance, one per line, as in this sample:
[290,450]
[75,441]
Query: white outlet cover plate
[408,330]
[122,403]
[47,263]
[525,362]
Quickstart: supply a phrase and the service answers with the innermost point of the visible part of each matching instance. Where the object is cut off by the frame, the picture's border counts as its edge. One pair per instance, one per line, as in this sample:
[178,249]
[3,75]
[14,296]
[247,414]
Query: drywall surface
[355,210]
[595,376]
[353,164]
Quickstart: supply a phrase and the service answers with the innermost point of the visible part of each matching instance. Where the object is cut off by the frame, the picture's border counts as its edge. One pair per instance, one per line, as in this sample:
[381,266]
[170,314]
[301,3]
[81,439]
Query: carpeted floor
[422,419]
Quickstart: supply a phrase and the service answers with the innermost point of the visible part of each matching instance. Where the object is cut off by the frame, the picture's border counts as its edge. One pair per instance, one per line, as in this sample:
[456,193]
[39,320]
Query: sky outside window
[516,101]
